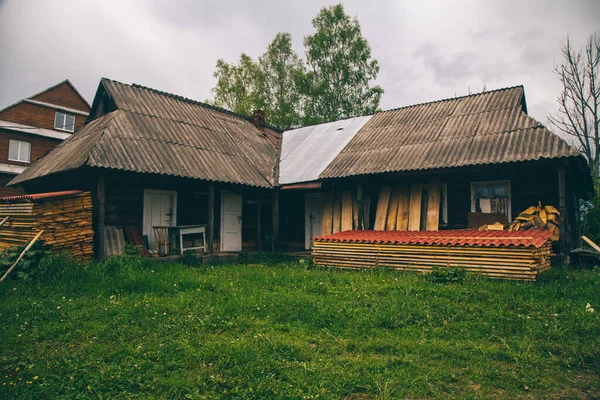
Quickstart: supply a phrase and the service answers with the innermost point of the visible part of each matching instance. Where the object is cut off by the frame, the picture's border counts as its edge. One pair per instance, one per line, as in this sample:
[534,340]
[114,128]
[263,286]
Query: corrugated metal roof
[307,151]
[38,196]
[485,128]
[461,237]
[154,132]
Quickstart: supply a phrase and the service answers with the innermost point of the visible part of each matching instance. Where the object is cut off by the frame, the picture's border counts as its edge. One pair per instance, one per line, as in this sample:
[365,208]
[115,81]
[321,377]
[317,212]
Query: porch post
[360,204]
[100,216]
[275,219]
[562,207]
[258,227]
[211,216]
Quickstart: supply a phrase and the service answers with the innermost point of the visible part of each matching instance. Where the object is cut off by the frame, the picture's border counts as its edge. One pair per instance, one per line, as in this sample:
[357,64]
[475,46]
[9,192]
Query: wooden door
[231,221]
[313,217]
[160,209]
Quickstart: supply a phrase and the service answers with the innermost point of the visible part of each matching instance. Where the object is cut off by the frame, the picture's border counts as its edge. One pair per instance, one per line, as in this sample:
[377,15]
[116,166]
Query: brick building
[33,126]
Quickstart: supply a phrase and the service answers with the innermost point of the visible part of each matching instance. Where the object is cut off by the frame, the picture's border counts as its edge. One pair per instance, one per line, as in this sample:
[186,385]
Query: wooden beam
[403,208]
[327,224]
[347,210]
[258,225]
[100,214]
[211,217]
[360,222]
[382,207]
[433,205]
[562,207]
[392,210]
[337,212]
[275,246]
[414,214]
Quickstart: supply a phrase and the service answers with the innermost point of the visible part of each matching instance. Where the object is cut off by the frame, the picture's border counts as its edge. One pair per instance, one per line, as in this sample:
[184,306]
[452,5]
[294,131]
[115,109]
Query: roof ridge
[456,98]
[193,102]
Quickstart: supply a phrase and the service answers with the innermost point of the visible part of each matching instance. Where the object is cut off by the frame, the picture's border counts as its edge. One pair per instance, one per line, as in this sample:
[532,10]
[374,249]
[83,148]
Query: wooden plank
[258,222]
[591,243]
[347,210]
[390,224]
[414,213]
[100,215]
[433,205]
[360,207]
[382,208]
[327,224]
[562,207]
[403,208]
[355,224]
[367,213]
[337,212]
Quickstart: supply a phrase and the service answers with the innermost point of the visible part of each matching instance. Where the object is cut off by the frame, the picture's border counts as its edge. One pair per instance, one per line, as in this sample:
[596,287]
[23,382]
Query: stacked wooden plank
[518,255]
[400,207]
[65,217]
[536,217]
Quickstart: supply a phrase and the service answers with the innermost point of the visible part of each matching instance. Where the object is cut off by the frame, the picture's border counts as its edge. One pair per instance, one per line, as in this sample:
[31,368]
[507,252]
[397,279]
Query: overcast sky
[427,50]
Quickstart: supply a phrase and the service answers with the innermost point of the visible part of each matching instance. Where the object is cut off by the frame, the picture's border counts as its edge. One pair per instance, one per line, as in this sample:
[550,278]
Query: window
[19,151]
[64,121]
[491,197]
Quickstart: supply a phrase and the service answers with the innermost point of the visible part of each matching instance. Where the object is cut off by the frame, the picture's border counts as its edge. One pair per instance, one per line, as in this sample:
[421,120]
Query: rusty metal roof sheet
[461,237]
[39,196]
[485,128]
[307,151]
[154,132]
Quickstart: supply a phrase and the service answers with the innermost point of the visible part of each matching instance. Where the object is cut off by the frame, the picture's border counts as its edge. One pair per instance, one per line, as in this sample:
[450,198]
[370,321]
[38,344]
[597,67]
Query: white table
[183,230]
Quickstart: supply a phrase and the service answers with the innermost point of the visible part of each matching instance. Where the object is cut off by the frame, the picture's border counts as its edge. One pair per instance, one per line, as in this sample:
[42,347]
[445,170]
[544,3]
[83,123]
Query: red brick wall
[63,95]
[39,146]
[34,115]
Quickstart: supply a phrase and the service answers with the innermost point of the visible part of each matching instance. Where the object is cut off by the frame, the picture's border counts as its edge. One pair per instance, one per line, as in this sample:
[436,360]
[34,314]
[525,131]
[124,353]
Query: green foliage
[165,330]
[447,275]
[591,215]
[340,67]
[28,267]
[334,83]
[190,259]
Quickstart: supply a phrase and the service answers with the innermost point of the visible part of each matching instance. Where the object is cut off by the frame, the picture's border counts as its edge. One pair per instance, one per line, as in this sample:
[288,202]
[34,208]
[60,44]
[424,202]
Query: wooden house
[155,159]
[450,164]
[152,158]
[33,126]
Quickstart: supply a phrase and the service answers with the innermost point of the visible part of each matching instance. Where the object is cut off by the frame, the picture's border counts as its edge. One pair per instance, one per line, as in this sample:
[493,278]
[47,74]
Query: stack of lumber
[537,217]
[399,207]
[65,217]
[340,212]
[498,254]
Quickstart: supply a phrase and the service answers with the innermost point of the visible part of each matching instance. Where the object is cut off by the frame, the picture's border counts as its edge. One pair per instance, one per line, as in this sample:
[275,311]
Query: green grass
[130,329]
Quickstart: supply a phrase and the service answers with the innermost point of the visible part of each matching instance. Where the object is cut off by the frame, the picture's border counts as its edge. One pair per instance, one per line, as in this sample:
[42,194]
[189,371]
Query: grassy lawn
[131,329]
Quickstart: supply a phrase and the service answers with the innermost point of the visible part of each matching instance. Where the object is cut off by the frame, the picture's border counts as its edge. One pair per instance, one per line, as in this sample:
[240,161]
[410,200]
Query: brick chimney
[258,119]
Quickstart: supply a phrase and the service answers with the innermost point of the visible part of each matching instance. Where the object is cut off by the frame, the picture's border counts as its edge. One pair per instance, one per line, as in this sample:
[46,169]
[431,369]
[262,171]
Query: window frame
[19,142]
[506,184]
[64,121]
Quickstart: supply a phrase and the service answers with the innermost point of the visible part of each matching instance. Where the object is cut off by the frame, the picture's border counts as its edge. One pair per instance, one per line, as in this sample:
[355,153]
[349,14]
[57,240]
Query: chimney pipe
[258,119]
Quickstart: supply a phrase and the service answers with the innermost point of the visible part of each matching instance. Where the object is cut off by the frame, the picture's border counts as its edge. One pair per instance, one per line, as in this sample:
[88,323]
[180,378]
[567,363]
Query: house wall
[63,95]
[530,183]
[36,115]
[40,145]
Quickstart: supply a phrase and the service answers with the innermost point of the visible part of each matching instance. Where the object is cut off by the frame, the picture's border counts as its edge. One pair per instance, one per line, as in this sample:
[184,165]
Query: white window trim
[508,194]
[19,150]
[64,121]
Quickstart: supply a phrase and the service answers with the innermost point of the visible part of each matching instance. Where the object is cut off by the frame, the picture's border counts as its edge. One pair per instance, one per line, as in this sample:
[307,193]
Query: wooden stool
[161,235]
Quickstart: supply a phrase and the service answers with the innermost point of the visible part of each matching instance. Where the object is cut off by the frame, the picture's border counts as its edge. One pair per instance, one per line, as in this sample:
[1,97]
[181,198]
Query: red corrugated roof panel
[464,237]
[37,196]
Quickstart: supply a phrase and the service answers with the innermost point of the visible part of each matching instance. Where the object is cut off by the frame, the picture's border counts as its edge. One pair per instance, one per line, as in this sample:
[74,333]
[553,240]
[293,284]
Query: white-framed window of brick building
[19,150]
[64,121]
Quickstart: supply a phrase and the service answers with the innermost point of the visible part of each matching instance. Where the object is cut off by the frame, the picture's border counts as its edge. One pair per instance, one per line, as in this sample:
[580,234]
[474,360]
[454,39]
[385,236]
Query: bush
[447,274]
[26,267]
[590,215]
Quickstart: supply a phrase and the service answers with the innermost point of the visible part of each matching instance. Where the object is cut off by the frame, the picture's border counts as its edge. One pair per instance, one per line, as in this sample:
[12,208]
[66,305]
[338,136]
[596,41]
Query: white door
[160,209]
[313,217]
[231,221]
